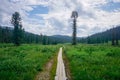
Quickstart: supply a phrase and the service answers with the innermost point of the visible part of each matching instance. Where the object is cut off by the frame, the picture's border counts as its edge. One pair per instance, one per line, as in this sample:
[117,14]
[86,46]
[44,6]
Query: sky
[53,17]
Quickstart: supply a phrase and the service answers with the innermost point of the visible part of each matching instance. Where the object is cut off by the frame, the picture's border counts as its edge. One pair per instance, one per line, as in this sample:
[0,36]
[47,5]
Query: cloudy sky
[53,17]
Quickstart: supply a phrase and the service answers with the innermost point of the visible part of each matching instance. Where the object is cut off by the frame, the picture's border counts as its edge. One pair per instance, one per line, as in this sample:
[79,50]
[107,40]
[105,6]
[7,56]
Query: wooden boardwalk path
[60,71]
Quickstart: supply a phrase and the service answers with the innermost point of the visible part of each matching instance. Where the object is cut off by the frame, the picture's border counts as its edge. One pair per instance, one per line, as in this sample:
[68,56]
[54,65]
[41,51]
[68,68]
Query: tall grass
[23,62]
[94,62]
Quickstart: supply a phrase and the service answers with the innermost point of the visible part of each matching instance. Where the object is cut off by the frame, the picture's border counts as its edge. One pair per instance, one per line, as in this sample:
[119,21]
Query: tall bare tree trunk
[74,32]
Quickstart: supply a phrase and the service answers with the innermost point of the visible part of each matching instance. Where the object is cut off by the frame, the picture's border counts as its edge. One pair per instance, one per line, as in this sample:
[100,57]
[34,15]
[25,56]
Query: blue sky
[39,10]
[111,6]
[52,17]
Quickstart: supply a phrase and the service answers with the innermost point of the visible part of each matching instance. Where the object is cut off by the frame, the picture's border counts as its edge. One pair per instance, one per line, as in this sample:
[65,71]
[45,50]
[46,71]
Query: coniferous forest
[110,35]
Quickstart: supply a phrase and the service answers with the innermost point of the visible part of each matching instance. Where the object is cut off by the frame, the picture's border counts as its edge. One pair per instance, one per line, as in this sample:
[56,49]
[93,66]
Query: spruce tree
[113,37]
[17,33]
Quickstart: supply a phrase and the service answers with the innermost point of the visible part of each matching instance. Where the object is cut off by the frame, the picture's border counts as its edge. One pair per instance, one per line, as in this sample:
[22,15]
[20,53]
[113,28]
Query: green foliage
[23,62]
[112,35]
[94,62]
[89,50]
[3,45]
[7,36]
[114,53]
[18,31]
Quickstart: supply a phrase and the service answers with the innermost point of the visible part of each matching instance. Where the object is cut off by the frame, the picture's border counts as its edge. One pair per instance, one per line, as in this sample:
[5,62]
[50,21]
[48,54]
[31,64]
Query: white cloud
[91,18]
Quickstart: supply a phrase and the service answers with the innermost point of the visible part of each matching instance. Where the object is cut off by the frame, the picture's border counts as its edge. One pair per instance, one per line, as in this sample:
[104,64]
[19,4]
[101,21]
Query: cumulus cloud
[94,15]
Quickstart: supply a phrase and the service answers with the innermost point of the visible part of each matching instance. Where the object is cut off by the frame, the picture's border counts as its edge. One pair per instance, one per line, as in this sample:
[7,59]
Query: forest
[6,36]
[103,37]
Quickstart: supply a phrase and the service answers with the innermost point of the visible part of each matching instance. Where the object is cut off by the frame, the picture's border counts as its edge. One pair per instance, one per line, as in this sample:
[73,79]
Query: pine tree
[41,38]
[116,36]
[17,33]
[1,34]
[44,40]
[113,37]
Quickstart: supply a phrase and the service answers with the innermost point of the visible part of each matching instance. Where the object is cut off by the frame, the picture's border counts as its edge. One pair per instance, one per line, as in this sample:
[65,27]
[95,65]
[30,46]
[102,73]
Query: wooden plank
[60,71]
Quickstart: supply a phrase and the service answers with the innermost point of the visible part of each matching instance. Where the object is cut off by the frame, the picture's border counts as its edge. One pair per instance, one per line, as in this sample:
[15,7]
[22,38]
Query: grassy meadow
[93,62]
[86,62]
[25,61]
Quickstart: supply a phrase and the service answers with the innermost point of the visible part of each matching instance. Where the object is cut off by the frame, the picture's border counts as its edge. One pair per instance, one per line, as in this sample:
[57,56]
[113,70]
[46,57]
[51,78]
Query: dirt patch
[45,74]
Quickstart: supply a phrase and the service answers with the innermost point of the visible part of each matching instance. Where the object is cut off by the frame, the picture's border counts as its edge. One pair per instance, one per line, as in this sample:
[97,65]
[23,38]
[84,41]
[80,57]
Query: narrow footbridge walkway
[60,71]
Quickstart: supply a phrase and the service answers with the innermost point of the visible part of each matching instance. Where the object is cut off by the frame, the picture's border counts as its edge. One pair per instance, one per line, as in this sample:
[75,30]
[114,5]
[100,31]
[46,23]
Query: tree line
[7,36]
[112,35]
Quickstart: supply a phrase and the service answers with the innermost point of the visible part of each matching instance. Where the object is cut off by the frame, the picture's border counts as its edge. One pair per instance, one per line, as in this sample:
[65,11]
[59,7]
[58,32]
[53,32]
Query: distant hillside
[6,35]
[102,37]
[62,38]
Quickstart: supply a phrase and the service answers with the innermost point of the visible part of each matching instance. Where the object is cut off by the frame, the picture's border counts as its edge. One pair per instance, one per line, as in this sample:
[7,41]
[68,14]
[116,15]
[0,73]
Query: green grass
[24,62]
[94,62]
[3,45]
[53,69]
